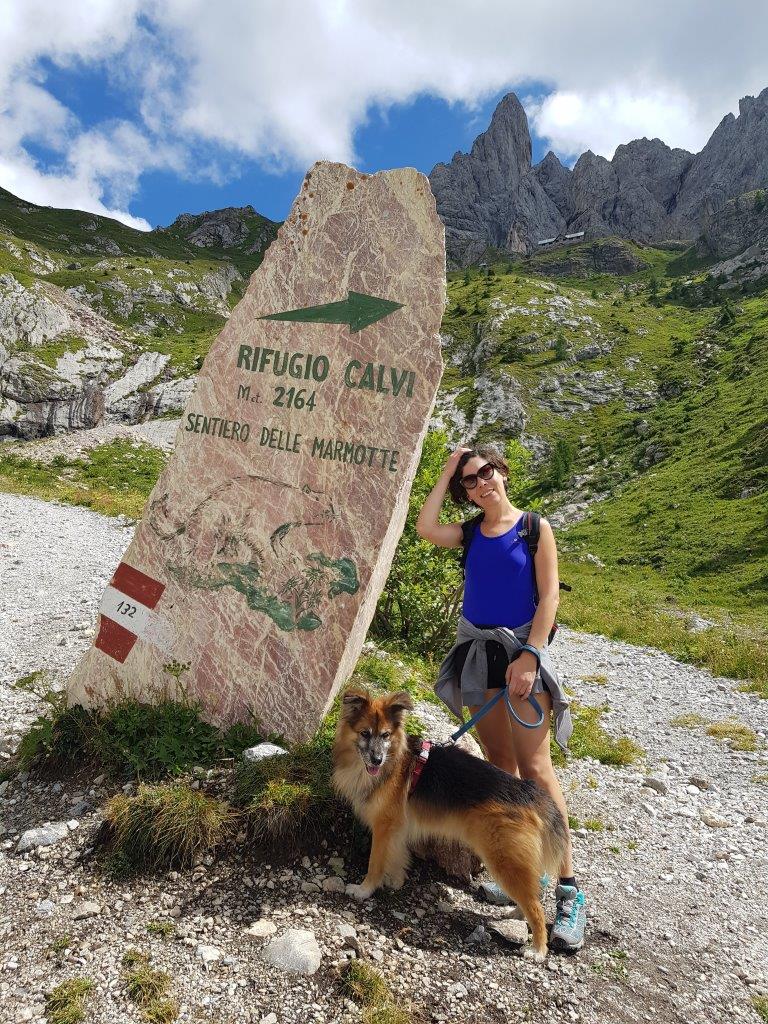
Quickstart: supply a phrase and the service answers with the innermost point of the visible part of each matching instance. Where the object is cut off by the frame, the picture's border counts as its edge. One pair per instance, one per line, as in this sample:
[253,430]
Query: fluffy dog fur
[512,825]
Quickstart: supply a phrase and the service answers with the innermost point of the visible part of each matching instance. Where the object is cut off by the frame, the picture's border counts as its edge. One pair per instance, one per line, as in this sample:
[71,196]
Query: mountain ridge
[494,198]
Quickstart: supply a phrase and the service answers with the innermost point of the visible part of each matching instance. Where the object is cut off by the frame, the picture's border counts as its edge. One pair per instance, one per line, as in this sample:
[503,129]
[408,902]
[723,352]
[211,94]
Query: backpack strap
[467,533]
[531,531]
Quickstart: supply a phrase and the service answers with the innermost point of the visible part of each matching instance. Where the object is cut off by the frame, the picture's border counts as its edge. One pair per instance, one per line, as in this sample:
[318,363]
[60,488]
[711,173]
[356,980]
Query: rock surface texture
[494,198]
[255,571]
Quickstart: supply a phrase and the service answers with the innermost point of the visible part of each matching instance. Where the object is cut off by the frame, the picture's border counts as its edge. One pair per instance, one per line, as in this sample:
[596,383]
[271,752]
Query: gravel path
[674,864]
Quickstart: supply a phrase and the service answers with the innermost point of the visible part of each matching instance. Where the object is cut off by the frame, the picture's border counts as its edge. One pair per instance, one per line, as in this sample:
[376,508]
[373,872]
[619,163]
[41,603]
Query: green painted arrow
[357,310]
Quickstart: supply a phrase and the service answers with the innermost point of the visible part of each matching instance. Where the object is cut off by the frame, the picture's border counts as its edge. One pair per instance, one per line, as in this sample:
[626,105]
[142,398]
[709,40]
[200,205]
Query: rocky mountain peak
[492,198]
[229,228]
[507,142]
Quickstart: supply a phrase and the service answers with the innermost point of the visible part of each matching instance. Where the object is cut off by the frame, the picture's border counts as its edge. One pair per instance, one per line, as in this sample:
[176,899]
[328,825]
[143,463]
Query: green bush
[130,739]
[419,605]
[421,598]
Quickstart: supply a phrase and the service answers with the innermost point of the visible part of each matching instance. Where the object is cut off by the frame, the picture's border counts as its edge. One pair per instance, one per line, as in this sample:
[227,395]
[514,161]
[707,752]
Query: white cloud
[573,122]
[286,82]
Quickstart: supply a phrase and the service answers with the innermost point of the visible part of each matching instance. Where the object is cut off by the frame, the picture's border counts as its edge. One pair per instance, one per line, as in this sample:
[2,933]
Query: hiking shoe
[492,892]
[570,919]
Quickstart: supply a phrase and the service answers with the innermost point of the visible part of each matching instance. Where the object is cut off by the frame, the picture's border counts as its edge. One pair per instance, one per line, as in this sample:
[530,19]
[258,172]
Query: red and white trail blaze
[126,612]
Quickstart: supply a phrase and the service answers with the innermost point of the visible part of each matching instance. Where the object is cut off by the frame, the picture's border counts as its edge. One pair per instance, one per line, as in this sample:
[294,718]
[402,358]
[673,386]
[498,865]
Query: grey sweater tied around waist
[471,687]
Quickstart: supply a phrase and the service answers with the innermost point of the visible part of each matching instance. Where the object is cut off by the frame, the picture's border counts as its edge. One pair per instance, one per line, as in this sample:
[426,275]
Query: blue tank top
[498,589]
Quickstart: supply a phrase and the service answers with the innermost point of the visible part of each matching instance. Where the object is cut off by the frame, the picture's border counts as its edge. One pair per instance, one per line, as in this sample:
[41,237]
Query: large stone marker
[254,574]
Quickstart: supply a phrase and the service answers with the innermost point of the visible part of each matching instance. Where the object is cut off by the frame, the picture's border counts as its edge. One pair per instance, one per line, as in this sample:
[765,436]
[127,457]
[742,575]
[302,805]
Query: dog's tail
[554,836]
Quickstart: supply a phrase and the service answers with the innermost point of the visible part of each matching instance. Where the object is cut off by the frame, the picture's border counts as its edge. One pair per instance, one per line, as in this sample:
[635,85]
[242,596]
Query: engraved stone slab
[254,574]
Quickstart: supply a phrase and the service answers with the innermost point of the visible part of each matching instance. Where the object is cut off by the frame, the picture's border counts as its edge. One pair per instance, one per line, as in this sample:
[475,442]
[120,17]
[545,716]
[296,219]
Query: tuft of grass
[148,988]
[760,1006]
[165,825]
[60,944]
[66,1003]
[589,739]
[737,735]
[365,986]
[595,825]
[598,679]
[162,928]
[760,779]
[690,720]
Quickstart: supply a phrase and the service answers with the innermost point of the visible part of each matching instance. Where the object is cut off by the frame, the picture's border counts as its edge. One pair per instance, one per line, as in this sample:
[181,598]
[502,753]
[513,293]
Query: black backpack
[529,531]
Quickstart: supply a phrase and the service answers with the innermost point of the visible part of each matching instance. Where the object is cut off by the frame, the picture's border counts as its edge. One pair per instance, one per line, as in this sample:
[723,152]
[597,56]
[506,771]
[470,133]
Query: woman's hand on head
[453,460]
[521,675]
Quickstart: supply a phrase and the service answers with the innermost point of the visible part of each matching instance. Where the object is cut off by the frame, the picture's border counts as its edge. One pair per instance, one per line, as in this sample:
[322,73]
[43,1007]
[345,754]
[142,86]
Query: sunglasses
[484,473]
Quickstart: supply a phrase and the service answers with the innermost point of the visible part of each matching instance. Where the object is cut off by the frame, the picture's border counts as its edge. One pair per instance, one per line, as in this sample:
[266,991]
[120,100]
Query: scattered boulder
[262,751]
[295,950]
[47,835]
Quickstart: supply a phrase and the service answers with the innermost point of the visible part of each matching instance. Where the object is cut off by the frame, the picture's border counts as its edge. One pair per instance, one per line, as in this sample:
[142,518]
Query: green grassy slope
[685,529]
[72,249]
[70,231]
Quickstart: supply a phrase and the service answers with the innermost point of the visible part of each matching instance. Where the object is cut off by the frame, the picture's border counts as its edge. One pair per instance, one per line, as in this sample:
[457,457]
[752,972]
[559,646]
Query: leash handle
[487,707]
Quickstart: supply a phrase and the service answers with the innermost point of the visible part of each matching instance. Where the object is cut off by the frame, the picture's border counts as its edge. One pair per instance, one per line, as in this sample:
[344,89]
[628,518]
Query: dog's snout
[377,758]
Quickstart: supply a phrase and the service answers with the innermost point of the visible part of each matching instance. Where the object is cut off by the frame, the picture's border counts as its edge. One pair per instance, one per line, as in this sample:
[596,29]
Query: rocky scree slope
[101,323]
[494,198]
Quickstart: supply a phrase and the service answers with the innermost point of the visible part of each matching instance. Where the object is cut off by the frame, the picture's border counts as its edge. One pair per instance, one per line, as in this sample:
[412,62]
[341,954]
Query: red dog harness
[418,768]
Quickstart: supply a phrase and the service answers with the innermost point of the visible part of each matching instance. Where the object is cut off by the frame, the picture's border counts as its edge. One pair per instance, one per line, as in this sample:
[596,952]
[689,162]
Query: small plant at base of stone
[128,739]
[148,988]
[164,826]
[65,1004]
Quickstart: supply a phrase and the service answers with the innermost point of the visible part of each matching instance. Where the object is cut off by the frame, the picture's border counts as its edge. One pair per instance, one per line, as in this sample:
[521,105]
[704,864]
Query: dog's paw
[396,881]
[359,892]
[534,955]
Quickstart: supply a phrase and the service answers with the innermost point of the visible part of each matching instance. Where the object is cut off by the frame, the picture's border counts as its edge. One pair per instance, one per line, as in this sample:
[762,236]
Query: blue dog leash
[505,694]
[487,707]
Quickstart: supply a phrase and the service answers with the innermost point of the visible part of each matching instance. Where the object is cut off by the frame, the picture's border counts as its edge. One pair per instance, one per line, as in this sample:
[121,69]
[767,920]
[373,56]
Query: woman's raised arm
[444,535]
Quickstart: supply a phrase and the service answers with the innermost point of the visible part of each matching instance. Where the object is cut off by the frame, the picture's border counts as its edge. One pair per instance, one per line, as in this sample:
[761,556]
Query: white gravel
[675,880]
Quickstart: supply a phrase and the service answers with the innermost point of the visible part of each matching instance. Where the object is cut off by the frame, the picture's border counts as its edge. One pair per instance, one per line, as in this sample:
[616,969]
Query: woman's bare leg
[495,733]
[531,753]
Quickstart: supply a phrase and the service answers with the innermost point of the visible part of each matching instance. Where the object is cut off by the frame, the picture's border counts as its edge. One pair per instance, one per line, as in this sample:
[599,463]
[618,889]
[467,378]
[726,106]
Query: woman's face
[486,493]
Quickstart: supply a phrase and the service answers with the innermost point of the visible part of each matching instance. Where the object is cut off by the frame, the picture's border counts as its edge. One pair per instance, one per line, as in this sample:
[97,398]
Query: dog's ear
[397,705]
[353,701]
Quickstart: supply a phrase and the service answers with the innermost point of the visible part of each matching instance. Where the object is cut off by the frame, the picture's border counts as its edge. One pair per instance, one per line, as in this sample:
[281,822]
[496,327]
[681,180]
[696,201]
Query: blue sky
[418,134]
[143,109]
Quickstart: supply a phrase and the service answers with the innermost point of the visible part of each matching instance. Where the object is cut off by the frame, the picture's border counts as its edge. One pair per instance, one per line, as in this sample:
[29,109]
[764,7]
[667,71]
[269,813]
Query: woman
[499,616]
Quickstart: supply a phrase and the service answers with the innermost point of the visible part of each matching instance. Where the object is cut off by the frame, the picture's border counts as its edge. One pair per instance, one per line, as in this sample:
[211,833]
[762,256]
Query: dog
[512,825]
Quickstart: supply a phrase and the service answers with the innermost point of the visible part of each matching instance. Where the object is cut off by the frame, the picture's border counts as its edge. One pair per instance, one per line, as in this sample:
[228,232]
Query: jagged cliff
[493,197]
